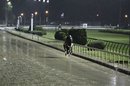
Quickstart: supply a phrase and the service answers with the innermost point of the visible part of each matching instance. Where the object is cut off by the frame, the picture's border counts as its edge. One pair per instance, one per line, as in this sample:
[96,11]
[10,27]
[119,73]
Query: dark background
[109,11]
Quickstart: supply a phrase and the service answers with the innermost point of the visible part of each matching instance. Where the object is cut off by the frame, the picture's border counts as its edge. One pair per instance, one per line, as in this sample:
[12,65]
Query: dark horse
[68,45]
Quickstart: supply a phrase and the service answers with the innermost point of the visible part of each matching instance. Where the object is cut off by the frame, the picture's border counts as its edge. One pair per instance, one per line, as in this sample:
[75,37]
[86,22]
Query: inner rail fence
[120,48]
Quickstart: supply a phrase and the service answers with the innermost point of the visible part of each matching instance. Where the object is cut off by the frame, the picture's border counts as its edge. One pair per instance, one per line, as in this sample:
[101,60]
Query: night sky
[109,11]
[87,10]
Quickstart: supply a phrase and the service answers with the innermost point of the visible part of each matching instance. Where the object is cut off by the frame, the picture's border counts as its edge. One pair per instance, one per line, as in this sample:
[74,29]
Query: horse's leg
[70,50]
[67,49]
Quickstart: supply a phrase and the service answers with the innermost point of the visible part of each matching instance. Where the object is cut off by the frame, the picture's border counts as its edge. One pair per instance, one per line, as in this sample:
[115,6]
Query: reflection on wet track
[25,63]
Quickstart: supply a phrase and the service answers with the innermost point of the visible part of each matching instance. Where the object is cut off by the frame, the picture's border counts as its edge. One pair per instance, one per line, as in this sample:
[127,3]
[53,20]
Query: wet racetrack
[25,63]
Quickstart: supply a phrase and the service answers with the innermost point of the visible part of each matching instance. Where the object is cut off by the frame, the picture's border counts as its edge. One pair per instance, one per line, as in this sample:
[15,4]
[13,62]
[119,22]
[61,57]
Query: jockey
[68,44]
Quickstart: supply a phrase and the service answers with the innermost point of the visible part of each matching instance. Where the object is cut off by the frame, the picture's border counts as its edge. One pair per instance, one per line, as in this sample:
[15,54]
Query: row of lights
[126,16]
[44,1]
[47,1]
[36,13]
[9,3]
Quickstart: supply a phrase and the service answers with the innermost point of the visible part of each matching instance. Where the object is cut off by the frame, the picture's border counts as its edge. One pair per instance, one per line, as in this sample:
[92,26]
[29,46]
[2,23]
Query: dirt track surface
[24,63]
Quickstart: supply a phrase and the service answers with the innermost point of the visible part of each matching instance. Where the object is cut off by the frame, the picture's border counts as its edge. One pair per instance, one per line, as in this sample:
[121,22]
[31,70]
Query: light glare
[47,1]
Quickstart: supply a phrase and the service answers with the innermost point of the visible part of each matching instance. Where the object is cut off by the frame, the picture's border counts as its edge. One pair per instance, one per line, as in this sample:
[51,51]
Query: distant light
[46,12]
[47,1]
[20,17]
[22,14]
[126,16]
[32,14]
[97,15]
[44,0]
[7,0]
[39,0]
[62,15]
[11,6]
[36,13]
[9,3]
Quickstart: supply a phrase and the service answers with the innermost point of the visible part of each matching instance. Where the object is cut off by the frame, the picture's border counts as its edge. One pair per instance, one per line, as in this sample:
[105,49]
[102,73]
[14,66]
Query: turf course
[98,35]
[108,36]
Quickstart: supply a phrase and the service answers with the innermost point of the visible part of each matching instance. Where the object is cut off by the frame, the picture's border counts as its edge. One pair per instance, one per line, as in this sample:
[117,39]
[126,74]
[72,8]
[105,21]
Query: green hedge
[79,35]
[37,30]
[97,44]
[22,30]
[60,35]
